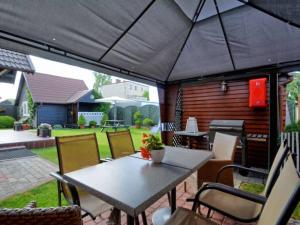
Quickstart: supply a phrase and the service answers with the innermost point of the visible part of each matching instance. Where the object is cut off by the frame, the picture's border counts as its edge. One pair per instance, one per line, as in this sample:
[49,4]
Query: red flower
[145,135]
[145,153]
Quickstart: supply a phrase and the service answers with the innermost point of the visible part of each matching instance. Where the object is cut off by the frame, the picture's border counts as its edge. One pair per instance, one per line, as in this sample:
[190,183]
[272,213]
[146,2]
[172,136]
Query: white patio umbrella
[114,100]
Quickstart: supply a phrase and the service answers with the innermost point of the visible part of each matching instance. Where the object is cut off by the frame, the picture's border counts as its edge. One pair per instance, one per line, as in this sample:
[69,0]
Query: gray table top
[129,183]
[193,134]
[184,158]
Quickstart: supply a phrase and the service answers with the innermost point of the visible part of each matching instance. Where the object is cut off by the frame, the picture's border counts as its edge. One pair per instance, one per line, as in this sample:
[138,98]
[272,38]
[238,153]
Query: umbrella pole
[115,113]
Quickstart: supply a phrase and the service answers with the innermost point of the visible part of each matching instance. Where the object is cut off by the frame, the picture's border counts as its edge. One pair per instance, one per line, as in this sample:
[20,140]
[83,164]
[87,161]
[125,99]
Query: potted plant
[25,123]
[44,130]
[81,121]
[18,126]
[137,119]
[93,124]
[152,147]
[147,122]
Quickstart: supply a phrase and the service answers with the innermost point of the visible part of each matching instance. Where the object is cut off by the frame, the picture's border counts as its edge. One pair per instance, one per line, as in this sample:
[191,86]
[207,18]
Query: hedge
[6,122]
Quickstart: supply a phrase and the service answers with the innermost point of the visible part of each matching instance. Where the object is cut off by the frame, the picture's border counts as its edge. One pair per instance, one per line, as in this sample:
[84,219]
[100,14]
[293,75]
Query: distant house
[11,62]
[125,89]
[58,99]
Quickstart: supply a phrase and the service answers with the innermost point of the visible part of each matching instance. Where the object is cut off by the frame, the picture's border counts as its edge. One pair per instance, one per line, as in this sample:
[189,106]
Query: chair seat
[92,204]
[187,217]
[238,207]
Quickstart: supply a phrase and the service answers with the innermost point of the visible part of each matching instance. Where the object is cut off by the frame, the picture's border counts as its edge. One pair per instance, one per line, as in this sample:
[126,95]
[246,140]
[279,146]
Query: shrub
[104,118]
[137,119]
[148,122]
[45,126]
[293,127]
[93,123]
[81,120]
[6,122]
[57,127]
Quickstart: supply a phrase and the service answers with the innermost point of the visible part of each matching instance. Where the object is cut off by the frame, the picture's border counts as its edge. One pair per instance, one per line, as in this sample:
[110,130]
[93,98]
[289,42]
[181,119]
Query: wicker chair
[244,209]
[223,150]
[74,153]
[31,215]
[120,144]
[277,209]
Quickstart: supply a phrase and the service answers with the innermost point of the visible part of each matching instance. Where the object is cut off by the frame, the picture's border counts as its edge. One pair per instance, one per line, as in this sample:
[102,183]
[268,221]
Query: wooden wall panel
[207,102]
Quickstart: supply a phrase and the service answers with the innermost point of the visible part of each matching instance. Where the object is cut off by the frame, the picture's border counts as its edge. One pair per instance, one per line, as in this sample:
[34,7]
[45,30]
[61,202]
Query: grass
[51,155]
[45,195]
[258,188]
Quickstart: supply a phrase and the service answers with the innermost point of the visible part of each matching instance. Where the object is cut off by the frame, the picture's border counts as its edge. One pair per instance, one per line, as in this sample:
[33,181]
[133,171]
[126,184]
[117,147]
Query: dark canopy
[155,41]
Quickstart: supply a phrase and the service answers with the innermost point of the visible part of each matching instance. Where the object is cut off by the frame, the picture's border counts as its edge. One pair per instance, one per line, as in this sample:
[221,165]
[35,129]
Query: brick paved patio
[19,175]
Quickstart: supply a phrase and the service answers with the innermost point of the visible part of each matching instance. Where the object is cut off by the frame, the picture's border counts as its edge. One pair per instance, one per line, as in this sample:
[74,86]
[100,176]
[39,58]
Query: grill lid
[227,123]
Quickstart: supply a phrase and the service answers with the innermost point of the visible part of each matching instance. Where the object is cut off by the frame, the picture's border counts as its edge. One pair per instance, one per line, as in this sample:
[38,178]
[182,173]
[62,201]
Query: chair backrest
[224,146]
[120,143]
[70,215]
[77,152]
[283,197]
[275,168]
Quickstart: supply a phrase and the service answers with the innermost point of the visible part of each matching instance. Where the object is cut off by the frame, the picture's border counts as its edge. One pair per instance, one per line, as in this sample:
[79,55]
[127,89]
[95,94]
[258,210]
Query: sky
[59,69]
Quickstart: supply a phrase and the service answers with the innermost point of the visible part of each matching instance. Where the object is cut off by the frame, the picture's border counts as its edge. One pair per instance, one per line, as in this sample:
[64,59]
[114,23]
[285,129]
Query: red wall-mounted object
[258,93]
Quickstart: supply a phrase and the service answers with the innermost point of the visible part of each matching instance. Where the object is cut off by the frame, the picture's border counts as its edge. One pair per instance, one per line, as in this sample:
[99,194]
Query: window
[25,108]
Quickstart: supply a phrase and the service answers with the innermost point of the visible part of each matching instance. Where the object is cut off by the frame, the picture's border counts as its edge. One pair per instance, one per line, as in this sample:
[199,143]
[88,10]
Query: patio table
[132,184]
[190,135]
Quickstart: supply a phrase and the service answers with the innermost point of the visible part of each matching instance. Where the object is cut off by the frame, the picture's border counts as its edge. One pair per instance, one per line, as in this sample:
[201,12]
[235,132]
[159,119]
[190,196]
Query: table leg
[173,200]
[130,220]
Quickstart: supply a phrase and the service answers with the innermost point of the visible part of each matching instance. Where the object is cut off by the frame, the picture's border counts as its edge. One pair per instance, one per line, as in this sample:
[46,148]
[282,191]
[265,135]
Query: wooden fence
[293,143]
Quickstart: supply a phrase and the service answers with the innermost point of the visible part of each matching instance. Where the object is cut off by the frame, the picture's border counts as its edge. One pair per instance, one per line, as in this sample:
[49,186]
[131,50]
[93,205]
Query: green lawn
[50,153]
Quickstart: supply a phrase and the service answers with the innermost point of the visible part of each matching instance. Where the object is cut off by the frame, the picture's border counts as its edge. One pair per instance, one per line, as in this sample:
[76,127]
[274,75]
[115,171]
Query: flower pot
[93,126]
[157,155]
[44,132]
[81,126]
[18,126]
[138,126]
[25,126]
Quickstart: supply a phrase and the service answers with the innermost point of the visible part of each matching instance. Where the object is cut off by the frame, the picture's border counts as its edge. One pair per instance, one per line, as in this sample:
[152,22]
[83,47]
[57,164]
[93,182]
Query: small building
[58,99]
[125,89]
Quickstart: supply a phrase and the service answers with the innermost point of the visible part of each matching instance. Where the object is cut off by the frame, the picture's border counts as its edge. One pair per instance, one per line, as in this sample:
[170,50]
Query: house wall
[52,114]
[207,102]
[130,90]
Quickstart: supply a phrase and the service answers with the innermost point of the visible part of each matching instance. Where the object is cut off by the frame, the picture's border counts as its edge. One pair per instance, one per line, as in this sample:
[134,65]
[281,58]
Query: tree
[100,80]
[293,88]
[146,95]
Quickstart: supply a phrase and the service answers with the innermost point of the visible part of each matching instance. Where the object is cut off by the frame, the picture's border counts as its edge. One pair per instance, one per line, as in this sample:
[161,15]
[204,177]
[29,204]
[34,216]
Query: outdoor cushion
[187,217]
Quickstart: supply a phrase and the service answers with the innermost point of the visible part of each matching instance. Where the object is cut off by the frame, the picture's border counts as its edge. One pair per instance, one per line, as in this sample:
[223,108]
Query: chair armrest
[72,188]
[227,189]
[232,166]
[106,160]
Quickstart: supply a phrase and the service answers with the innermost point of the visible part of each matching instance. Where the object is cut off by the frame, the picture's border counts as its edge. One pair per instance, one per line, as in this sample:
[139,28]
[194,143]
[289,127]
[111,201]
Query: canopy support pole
[225,34]
[273,118]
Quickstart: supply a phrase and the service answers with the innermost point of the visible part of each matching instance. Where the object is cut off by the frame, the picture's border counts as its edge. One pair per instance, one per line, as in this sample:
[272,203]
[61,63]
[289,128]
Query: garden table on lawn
[132,184]
[115,124]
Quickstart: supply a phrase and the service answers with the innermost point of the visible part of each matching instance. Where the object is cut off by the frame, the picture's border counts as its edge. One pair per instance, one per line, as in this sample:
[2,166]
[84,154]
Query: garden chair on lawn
[68,215]
[74,153]
[236,203]
[277,209]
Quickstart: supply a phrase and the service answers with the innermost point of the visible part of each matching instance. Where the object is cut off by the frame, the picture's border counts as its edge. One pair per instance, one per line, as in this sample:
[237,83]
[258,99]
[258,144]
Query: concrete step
[12,148]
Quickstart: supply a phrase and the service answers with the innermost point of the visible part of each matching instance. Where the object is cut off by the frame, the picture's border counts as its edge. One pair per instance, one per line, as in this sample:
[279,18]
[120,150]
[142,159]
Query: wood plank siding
[207,102]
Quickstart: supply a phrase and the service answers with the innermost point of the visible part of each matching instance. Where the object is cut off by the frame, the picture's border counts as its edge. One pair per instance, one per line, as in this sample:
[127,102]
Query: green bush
[81,120]
[293,127]
[57,127]
[148,122]
[6,122]
[92,123]
[104,118]
[137,118]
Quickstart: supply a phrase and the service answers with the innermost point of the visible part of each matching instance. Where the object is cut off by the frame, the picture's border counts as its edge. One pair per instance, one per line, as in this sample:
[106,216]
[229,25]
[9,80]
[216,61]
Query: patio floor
[163,202]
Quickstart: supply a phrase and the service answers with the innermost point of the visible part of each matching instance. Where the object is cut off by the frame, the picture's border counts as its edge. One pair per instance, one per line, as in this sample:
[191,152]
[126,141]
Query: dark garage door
[52,114]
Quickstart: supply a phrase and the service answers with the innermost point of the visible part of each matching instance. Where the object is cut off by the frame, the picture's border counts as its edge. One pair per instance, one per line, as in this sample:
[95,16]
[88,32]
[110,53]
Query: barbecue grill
[232,127]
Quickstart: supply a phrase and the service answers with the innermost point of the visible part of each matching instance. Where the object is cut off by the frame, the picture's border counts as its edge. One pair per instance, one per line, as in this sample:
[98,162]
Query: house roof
[15,61]
[157,41]
[46,88]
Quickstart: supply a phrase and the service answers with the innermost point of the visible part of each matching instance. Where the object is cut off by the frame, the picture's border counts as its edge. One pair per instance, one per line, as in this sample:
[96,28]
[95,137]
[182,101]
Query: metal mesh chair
[69,215]
[120,144]
[277,209]
[74,153]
